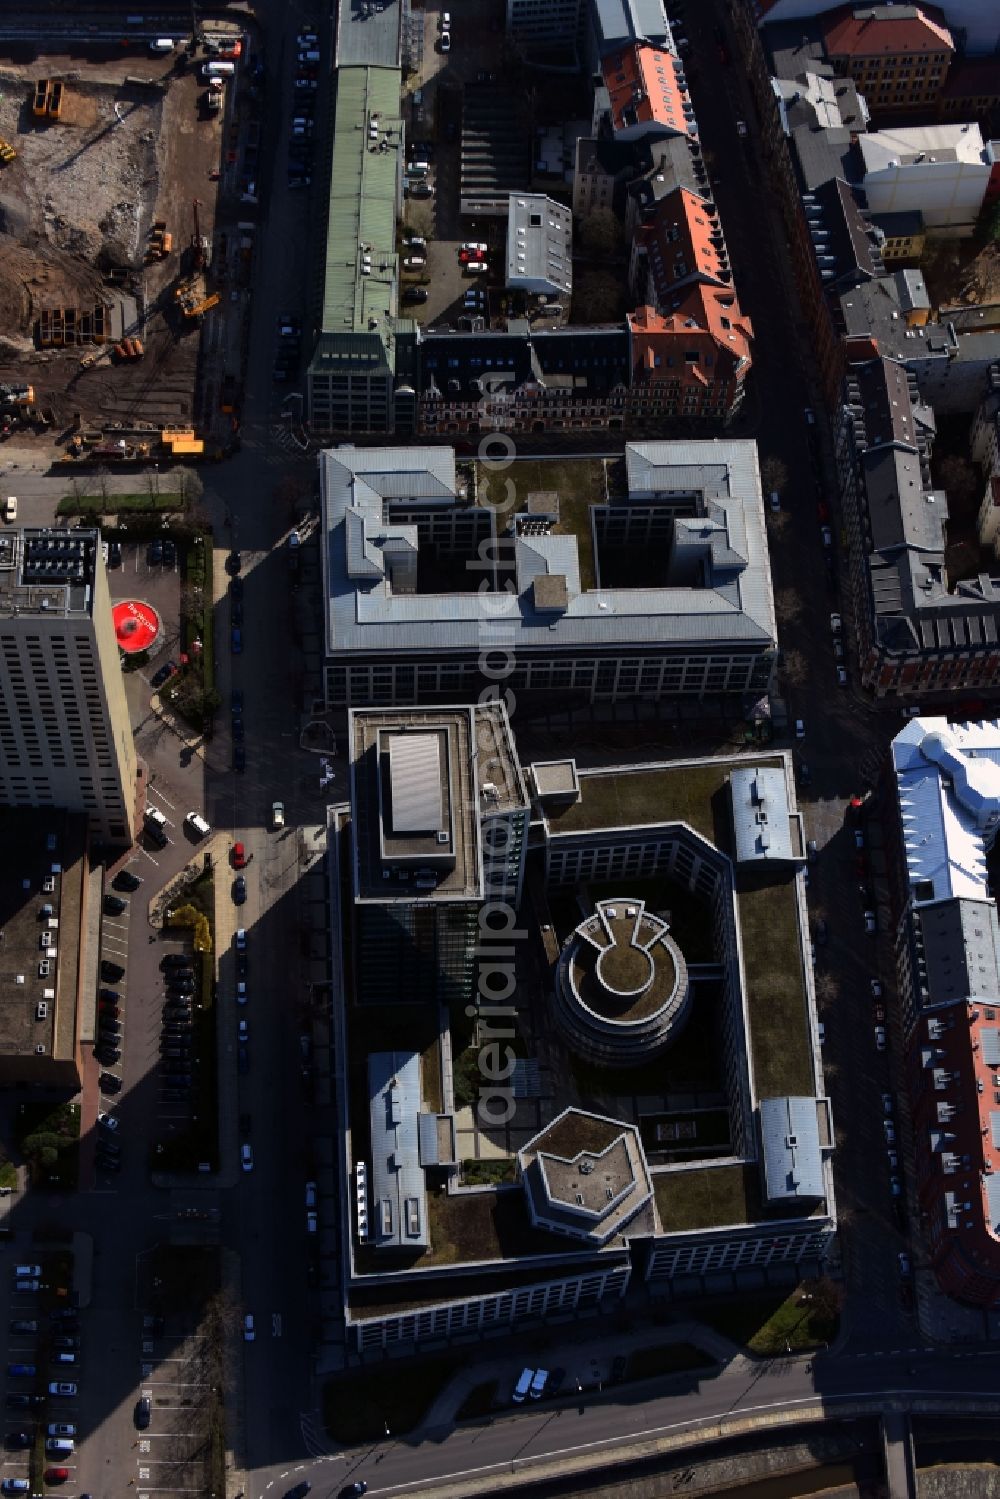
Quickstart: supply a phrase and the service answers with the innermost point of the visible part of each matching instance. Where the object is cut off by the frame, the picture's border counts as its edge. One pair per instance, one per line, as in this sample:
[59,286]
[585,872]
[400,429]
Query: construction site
[120,296]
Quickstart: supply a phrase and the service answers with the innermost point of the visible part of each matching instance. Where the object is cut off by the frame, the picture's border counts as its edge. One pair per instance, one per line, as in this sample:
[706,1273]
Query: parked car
[239,890]
[414,294]
[164,674]
[239,856]
[61,1390]
[880,1040]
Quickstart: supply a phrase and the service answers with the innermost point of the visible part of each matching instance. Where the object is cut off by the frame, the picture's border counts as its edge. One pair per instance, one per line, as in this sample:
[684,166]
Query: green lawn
[359,1404]
[478,1402]
[113,504]
[488,1173]
[774,1324]
[579,483]
[666,1358]
[776,1001]
[709,1197]
[689,794]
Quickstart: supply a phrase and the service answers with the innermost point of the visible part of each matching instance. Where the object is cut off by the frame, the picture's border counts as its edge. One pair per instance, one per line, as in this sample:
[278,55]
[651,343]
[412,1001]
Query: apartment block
[897,55]
[65,736]
[946,804]
[942,172]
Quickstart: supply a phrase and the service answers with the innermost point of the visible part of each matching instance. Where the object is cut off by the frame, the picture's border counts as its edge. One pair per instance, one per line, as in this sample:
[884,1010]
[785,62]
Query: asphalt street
[592,1429]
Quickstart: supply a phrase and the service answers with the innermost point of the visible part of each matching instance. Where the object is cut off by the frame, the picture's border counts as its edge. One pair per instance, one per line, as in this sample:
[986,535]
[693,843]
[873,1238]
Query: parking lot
[43,1368]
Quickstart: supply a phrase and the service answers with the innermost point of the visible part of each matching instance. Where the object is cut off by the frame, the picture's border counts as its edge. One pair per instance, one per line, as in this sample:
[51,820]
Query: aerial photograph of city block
[500,748]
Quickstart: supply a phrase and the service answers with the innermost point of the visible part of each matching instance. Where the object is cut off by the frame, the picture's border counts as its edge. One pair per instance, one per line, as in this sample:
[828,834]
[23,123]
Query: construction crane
[199,242]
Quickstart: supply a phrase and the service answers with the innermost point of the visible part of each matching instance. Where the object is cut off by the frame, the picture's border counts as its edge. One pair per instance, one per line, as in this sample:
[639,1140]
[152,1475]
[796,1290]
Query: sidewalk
[586,1353]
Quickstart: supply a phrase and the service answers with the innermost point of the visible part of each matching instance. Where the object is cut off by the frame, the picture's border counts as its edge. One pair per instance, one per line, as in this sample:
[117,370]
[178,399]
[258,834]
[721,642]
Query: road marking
[155,791]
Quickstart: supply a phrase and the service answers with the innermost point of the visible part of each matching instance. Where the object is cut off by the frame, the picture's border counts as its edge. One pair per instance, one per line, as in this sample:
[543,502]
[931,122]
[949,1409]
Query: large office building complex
[662,590]
[65,736]
[479,1193]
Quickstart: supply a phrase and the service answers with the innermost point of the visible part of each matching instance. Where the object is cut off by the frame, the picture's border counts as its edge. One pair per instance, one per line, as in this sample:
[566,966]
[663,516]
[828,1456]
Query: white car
[242,997]
[741,127]
[821,1032]
[800,729]
[841,676]
[248,1328]
[312,1223]
[880,1041]
[67,1391]
[446,41]
[243,1031]
[444,20]
[889,1130]
[474,247]
[871,925]
[876,988]
[241,939]
[61,1429]
[475,268]
[826,535]
[414,263]
[246,1157]
[277,814]
[836,623]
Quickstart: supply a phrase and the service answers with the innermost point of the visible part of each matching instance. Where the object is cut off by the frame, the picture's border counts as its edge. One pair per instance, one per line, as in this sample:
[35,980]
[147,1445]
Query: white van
[10,507]
[217,70]
[523,1386]
[162,45]
[59,1446]
[538,1384]
[197,824]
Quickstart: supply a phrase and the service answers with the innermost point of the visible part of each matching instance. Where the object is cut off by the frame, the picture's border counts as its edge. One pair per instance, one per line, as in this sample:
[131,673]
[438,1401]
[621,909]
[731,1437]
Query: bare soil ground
[960,272]
[76,207]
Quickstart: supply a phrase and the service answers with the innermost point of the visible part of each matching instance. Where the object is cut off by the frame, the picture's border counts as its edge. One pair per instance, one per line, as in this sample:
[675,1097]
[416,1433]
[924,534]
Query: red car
[56,1475]
[239,856]
[466,255]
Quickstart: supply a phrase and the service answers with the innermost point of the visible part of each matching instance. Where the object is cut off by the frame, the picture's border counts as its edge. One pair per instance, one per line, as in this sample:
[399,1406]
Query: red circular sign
[136,625]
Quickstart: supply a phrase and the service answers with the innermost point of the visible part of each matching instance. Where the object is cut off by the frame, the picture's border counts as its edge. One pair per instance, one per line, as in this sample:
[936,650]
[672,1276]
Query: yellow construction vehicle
[196,309]
[7,152]
[43,89]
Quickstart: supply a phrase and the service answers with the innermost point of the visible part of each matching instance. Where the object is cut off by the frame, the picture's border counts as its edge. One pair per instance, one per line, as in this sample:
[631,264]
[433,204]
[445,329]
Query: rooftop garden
[579,483]
[707,1197]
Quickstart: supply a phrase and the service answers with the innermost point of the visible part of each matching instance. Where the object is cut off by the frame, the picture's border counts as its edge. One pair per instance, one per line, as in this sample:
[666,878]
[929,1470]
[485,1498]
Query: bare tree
[602,235]
[598,297]
[773,473]
[189,486]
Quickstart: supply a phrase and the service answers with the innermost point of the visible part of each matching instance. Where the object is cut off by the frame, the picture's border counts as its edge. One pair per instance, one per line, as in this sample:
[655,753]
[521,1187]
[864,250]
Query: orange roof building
[897,55]
[683,243]
[693,361]
[648,99]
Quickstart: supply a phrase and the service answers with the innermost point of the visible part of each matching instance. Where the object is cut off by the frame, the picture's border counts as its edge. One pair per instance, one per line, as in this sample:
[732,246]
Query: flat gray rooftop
[368,33]
[420,762]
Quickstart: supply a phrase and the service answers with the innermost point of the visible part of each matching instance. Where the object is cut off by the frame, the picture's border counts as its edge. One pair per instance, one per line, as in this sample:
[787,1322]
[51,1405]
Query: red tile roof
[683,243]
[642,84]
[709,324]
[874,31]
